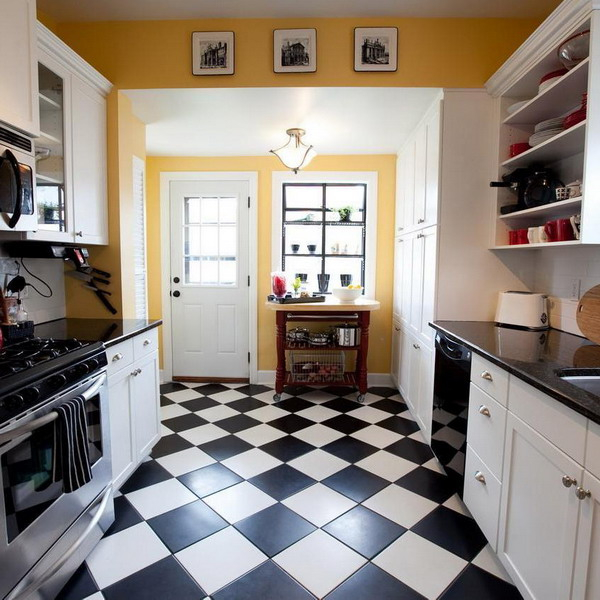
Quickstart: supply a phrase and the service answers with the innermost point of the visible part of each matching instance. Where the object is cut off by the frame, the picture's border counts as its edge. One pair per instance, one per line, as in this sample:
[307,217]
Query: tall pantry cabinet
[442,267]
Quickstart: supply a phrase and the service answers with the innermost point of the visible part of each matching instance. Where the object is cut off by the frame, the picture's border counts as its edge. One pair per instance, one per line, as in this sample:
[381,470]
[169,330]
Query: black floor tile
[451,530]
[282,481]
[253,390]
[199,403]
[290,423]
[297,390]
[294,404]
[186,525]
[209,480]
[399,425]
[365,531]
[169,444]
[267,582]
[225,447]
[274,529]
[165,579]
[337,390]
[392,406]
[167,388]
[412,450]
[164,401]
[287,448]
[125,516]
[356,483]
[386,392]
[345,424]
[372,583]
[246,404]
[237,423]
[342,405]
[474,582]
[350,449]
[428,483]
[184,422]
[80,586]
[210,388]
[148,473]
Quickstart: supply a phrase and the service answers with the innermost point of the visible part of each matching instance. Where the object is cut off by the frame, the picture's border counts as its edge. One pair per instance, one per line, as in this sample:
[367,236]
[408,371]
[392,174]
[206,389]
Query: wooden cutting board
[588,314]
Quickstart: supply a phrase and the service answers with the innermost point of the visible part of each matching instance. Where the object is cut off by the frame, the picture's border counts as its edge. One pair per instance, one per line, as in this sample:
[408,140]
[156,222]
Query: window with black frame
[324,232]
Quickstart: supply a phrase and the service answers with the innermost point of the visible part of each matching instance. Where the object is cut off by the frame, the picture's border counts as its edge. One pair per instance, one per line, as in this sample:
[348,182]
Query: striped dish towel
[71,455]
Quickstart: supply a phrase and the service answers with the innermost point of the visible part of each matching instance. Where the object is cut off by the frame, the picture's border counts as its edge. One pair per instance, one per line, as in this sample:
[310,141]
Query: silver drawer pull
[582,494]
[146,342]
[487,376]
[396,328]
[485,411]
[136,372]
[416,346]
[118,356]
[419,221]
[568,481]
[480,477]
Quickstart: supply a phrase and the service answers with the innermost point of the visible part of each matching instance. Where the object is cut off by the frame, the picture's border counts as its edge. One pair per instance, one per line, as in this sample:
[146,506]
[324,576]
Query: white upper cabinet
[18,67]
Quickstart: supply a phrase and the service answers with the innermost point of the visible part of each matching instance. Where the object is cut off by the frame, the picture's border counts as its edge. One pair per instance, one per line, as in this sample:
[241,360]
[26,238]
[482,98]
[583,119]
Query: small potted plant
[345,213]
[296,284]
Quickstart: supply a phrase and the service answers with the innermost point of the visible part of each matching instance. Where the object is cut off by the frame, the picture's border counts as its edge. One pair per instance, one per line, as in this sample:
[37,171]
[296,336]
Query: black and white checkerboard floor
[316,496]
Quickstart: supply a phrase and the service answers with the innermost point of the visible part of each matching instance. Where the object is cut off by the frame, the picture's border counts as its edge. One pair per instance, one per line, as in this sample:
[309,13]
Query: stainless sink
[585,379]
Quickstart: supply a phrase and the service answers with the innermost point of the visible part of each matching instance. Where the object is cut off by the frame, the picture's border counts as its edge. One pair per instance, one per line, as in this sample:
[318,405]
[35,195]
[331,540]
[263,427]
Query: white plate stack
[546,130]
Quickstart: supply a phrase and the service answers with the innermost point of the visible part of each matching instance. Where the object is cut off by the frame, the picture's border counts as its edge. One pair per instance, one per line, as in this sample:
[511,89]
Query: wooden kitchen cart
[358,312]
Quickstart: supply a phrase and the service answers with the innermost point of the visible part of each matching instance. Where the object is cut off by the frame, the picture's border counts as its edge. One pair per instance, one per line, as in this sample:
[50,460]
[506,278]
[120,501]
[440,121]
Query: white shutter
[139,239]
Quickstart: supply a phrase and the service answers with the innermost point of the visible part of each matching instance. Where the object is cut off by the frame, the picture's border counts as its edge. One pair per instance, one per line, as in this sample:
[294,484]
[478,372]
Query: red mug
[512,238]
[518,236]
[559,230]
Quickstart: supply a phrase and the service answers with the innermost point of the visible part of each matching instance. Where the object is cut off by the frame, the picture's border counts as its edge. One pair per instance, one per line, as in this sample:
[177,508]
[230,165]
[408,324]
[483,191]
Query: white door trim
[166,177]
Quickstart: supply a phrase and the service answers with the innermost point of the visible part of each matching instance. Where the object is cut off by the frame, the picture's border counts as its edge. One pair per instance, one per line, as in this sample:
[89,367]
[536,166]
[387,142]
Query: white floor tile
[418,436]
[124,553]
[173,410]
[318,435]
[317,396]
[455,503]
[434,465]
[239,501]
[368,399]
[265,396]
[267,413]
[96,596]
[185,461]
[260,435]
[160,498]
[488,561]
[183,395]
[217,413]
[318,464]
[319,504]
[220,558]
[251,463]
[387,465]
[369,414]
[203,434]
[165,430]
[228,396]
[377,436]
[319,562]
[400,505]
[318,413]
[423,566]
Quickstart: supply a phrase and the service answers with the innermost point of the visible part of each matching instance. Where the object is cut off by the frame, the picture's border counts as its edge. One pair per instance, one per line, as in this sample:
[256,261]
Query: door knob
[176,279]
[176,293]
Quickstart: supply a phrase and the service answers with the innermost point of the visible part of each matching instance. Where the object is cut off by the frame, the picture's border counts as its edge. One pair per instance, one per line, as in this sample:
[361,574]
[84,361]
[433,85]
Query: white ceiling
[252,121]
[127,10]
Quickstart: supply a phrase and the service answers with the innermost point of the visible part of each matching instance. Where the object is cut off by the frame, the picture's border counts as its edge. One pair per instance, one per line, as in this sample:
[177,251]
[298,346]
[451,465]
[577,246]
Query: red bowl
[553,74]
[520,147]
[574,118]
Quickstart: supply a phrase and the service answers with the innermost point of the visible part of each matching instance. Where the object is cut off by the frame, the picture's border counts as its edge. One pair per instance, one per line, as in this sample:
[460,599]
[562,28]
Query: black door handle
[175,279]
[14,163]
[176,294]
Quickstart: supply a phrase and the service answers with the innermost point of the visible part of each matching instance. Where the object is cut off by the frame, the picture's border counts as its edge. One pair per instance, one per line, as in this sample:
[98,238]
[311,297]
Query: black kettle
[516,181]
[541,188]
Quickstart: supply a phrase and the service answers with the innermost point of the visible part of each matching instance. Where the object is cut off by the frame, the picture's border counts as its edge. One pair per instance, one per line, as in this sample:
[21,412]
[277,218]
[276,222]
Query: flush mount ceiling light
[295,154]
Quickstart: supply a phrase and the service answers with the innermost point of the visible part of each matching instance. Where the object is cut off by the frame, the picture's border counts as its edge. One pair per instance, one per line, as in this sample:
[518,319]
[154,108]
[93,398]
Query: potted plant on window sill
[345,212]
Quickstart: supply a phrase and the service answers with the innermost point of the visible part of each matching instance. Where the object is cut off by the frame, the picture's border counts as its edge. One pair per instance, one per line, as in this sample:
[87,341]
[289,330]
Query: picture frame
[213,53]
[376,49]
[294,50]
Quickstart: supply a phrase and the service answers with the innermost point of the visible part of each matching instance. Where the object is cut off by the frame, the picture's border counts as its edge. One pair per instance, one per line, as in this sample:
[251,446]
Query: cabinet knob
[136,372]
[400,228]
[568,481]
[79,233]
[485,411]
[420,235]
[118,356]
[487,376]
[419,221]
[479,476]
[146,342]
[582,494]
[416,346]
[396,328]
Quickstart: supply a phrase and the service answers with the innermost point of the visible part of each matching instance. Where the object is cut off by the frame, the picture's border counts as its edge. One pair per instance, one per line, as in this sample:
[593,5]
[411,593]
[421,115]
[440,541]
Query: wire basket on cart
[315,367]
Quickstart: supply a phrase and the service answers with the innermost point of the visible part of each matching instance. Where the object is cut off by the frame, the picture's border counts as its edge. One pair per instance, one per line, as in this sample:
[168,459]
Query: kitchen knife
[87,277]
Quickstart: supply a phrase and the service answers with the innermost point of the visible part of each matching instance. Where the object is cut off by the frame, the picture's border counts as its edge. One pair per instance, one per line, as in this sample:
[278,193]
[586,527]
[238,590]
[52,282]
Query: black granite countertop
[109,331]
[534,357]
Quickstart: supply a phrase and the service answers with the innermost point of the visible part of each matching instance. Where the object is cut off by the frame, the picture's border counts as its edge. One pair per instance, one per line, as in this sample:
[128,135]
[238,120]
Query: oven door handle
[23,591]
[18,431]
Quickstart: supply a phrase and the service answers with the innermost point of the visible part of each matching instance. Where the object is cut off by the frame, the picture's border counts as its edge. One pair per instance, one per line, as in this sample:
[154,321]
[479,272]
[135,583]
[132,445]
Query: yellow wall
[385,165]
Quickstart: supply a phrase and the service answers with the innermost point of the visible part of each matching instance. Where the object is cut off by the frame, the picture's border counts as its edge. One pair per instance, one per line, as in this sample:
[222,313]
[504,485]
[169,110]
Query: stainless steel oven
[45,533]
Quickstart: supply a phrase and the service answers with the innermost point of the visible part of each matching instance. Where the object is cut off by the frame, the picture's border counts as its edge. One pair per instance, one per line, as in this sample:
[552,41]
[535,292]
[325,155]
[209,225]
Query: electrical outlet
[575,289]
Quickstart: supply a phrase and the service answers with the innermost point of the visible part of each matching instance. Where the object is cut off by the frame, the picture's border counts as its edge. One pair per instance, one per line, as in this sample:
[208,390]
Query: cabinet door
[406,279]
[418,217]
[586,579]
[416,292]
[18,67]
[122,448]
[538,515]
[398,268]
[89,164]
[396,357]
[432,168]
[400,193]
[414,373]
[408,156]
[146,404]
[405,358]
[425,395]
[428,278]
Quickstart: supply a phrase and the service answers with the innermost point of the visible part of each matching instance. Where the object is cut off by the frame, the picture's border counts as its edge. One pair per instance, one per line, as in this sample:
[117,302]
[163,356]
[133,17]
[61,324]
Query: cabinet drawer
[482,496]
[119,356]
[592,449]
[485,433]
[491,379]
[145,343]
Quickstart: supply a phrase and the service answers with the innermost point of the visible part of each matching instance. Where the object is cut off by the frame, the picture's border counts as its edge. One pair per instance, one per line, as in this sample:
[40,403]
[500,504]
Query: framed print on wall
[376,49]
[295,50]
[213,52]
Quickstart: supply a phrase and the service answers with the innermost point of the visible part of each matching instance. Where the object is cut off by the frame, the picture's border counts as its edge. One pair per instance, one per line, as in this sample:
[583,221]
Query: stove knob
[31,394]
[93,364]
[14,401]
[57,381]
[82,369]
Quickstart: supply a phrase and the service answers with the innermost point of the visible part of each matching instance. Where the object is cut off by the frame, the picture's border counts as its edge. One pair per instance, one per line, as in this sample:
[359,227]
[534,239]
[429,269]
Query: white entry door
[209,279]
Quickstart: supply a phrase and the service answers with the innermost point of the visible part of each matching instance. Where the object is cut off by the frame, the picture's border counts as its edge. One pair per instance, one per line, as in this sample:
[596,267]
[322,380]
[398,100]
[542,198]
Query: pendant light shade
[295,154]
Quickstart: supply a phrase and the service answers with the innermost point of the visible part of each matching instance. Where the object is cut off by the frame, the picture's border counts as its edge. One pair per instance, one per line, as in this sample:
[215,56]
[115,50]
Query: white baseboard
[161,376]
[374,379]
